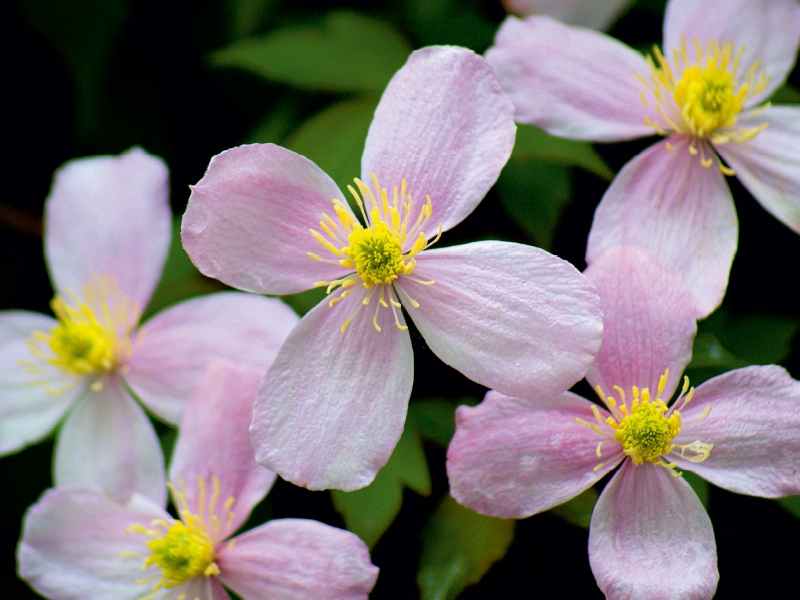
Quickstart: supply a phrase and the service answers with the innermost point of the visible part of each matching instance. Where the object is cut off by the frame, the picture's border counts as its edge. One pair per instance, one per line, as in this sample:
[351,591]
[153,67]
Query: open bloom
[331,408]
[650,538]
[107,232]
[597,14]
[77,543]
[704,92]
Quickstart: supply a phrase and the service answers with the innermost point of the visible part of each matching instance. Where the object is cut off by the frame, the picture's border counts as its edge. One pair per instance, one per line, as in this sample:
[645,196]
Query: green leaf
[303,302]
[786,94]
[699,485]
[757,339]
[334,139]
[348,52]
[273,128]
[370,511]
[709,352]
[245,16]
[535,194]
[532,142]
[458,548]
[180,279]
[792,504]
[436,418]
[578,510]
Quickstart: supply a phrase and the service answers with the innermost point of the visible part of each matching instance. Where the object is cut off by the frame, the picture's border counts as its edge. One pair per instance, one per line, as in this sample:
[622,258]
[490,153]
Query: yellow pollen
[646,433]
[703,99]
[93,331]
[184,552]
[377,253]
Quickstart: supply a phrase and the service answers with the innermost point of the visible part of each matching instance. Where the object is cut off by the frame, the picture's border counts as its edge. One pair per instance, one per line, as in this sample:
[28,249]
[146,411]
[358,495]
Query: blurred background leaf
[786,94]
[578,510]
[534,143]
[436,417]
[369,512]
[245,16]
[458,548]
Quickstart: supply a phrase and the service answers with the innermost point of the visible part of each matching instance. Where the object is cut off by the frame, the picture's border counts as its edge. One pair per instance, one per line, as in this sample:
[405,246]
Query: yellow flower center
[378,252]
[703,100]
[93,332]
[646,428]
[185,548]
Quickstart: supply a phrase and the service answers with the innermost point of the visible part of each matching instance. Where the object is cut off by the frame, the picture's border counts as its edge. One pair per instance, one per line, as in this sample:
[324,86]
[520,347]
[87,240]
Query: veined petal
[651,539]
[680,212]
[103,211]
[753,424]
[769,30]
[331,408]
[769,164]
[214,442]
[513,458]
[34,395]
[298,559]
[72,539]
[248,220]
[445,126]
[648,322]
[197,588]
[178,343]
[570,81]
[511,317]
[107,440]
[597,14]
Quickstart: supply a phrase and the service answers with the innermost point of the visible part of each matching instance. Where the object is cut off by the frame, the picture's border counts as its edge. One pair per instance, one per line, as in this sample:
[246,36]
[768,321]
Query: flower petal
[107,440]
[570,81]
[769,30]
[197,588]
[214,442]
[769,164]
[298,559]
[753,424]
[331,408]
[651,538]
[445,126]
[101,212]
[511,317]
[597,14]
[513,458]
[248,219]
[72,539]
[648,322]
[178,343]
[680,212]
[34,395]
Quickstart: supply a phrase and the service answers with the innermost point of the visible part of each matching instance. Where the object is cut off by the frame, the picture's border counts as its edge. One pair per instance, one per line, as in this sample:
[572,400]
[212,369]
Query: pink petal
[248,219]
[296,559]
[651,538]
[597,14]
[331,408]
[680,212]
[71,543]
[33,397]
[769,164]
[178,343]
[769,30]
[570,81]
[511,317]
[101,212]
[753,424]
[648,322]
[214,442]
[513,458]
[197,588]
[445,126]
[107,440]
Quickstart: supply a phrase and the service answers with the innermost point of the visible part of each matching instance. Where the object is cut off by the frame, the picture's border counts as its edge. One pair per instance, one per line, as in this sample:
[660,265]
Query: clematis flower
[597,14]
[331,408]
[107,232]
[76,539]
[704,92]
[650,538]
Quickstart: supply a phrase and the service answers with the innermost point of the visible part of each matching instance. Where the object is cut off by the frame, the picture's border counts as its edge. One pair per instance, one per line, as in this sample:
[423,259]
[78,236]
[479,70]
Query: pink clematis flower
[704,92]
[650,538]
[331,408]
[76,539]
[107,232]
[597,14]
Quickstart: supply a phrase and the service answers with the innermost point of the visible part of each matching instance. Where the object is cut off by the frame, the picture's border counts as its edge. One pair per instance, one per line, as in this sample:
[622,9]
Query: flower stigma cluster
[93,335]
[646,428]
[380,251]
[185,548]
[703,99]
